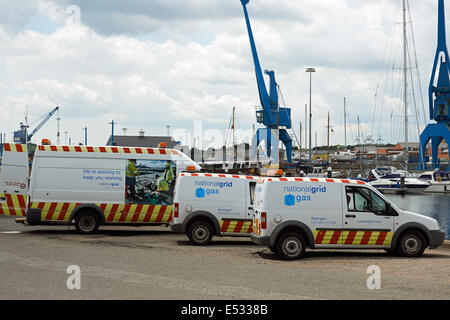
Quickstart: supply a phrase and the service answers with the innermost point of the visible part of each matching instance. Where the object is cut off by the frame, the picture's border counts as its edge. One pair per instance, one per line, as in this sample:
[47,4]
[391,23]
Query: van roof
[296,179]
[107,149]
[217,175]
[14,147]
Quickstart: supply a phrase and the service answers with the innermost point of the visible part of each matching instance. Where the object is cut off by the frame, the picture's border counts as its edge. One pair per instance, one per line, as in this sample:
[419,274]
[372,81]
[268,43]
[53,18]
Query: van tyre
[200,233]
[87,222]
[291,246]
[411,244]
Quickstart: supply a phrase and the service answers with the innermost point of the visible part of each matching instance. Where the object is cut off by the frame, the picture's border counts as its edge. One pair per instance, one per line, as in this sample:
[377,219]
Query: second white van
[209,204]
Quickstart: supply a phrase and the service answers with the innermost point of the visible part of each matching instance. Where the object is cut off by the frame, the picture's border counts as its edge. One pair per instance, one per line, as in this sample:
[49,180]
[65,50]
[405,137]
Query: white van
[90,186]
[207,204]
[294,213]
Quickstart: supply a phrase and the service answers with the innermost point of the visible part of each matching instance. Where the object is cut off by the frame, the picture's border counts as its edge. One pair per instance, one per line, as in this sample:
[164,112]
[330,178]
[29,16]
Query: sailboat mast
[345,126]
[405,69]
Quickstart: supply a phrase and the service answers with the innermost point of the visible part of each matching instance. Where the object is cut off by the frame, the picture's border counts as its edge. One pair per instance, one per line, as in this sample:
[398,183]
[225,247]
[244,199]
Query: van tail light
[176,209]
[263,220]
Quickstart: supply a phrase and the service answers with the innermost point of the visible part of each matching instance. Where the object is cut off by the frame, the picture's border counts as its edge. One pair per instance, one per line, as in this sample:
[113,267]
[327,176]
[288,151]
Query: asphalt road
[153,263]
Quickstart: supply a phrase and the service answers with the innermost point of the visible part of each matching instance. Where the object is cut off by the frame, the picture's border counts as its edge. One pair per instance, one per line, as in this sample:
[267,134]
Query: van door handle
[250,208]
[350,216]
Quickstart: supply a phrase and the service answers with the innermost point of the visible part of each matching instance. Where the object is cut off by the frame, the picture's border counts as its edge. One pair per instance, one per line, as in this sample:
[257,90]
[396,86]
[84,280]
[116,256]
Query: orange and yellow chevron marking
[137,213]
[12,147]
[236,226]
[109,149]
[353,237]
[114,213]
[217,175]
[13,204]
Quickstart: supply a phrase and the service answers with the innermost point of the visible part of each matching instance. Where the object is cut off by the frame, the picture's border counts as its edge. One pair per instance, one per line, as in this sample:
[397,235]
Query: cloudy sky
[147,64]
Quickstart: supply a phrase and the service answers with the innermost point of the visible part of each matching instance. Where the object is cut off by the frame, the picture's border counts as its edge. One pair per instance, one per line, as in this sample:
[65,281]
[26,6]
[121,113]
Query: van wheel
[291,246]
[200,232]
[86,222]
[411,244]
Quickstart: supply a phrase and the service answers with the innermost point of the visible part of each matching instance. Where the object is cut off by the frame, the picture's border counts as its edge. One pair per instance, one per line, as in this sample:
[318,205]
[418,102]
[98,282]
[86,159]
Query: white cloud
[148,64]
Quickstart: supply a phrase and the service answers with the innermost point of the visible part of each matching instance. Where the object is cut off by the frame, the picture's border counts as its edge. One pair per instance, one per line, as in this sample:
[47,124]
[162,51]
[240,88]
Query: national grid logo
[208,188]
[291,199]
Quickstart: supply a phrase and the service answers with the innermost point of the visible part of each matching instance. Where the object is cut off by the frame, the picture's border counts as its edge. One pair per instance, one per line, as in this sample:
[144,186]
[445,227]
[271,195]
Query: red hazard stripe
[161,213]
[381,238]
[238,226]
[10,204]
[150,151]
[63,212]
[90,149]
[329,180]
[51,210]
[360,182]
[65,148]
[335,237]
[21,200]
[366,237]
[137,213]
[126,150]
[350,237]
[148,214]
[250,228]
[113,212]
[314,179]
[19,148]
[53,148]
[225,226]
[7,147]
[345,181]
[320,237]
[162,151]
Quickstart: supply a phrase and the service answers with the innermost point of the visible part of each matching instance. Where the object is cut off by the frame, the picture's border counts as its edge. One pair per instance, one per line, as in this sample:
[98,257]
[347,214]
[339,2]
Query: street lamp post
[310,70]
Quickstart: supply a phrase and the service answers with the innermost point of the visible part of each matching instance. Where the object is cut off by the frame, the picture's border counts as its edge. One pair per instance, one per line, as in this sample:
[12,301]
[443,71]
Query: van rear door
[14,173]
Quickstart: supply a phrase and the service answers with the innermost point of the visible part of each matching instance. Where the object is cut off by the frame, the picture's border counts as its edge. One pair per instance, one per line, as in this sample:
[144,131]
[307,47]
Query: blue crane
[21,135]
[439,96]
[272,116]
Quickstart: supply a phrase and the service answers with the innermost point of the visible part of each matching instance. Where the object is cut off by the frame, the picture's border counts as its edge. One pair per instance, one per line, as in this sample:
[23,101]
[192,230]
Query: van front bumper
[176,227]
[262,241]
[437,238]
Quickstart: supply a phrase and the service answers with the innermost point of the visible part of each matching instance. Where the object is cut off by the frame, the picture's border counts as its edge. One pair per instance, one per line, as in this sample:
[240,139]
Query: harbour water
[436,206]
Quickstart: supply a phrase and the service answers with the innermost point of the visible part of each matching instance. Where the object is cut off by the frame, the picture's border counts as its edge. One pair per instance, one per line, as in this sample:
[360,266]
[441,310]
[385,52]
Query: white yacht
[343,156]
[391,182]
[439,181]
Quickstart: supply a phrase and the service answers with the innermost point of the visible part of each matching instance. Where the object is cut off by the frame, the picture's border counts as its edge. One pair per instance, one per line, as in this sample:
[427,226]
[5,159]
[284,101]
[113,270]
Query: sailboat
[346,155]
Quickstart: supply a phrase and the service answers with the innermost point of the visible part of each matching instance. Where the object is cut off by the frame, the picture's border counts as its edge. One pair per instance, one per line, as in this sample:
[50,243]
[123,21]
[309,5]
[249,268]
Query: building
[141,141]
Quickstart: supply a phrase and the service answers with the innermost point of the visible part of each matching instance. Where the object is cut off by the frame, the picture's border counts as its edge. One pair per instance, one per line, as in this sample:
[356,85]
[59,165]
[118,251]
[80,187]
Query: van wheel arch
[407,228]
[292,227]
[202,216]
[88,208]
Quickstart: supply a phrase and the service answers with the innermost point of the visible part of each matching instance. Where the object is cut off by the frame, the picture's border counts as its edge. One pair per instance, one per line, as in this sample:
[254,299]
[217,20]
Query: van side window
[252,187]
[357,200]
[363,199]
